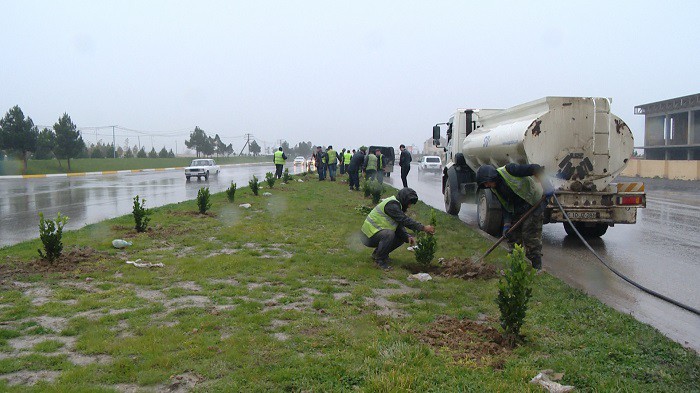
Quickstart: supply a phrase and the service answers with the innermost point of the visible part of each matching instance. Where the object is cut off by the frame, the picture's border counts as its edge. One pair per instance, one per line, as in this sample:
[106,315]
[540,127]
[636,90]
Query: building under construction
[672,128]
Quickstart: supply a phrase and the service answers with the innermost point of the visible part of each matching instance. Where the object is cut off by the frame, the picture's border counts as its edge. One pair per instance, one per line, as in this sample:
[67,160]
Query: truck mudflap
[617,204]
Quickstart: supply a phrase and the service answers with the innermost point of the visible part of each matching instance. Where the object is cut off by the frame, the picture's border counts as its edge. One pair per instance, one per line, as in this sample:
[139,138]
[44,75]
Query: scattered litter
[138,263]
[412,248]
[300,181]
[546,379]
[420,277]
[119,243]
[245,205]
[267,194]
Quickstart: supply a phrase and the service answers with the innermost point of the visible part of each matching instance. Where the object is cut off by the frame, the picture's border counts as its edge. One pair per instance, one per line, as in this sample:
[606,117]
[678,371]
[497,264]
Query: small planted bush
[254,185]
[140,214]
[203,200]
[366,188]
[376,191]
[231,192]
[51,233]
[426,244]
[270,179]
[286,177]
[514,292]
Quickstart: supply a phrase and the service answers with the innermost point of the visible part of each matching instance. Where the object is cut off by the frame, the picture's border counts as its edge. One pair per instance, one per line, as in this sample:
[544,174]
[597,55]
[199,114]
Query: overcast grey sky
[346,74]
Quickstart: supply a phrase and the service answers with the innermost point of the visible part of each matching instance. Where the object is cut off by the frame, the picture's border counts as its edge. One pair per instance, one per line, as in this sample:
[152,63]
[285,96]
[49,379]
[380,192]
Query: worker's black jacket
[520,206]
[405,159]
[394,210]
[356,161]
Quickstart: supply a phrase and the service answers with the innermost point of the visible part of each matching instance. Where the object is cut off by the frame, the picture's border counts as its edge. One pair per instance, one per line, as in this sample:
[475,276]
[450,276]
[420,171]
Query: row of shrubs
[514,288]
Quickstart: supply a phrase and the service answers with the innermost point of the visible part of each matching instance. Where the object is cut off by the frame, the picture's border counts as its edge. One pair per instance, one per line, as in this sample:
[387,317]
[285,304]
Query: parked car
[430,164]
[299,160]
[202,168]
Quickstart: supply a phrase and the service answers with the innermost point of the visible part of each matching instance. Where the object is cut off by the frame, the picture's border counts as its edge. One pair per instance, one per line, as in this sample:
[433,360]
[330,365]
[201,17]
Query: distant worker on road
[354,168]
[405,164]
[279,159]
[381,165]
[518,188]
[332,157]
[370,166]
[319,157]
[384,228]
[347,156]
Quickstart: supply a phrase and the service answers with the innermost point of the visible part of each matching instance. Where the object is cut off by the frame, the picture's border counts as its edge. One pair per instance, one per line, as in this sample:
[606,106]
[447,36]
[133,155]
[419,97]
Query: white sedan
[202,168]
[299,160]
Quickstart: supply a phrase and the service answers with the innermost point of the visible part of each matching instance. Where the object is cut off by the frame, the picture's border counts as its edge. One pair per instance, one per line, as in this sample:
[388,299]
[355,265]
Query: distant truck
[578,141]
[389,156]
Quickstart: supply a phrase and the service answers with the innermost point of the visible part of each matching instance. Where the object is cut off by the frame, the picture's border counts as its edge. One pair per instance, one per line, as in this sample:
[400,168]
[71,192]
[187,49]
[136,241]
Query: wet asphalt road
[659,252]
[86,200]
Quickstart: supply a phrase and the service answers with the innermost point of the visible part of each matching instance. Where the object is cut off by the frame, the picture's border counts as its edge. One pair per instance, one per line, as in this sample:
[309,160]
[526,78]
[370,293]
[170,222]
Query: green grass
[275,298]
[34,167]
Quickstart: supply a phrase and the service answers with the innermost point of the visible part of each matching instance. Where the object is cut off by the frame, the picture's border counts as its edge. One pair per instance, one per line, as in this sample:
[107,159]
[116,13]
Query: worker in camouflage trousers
[518,188]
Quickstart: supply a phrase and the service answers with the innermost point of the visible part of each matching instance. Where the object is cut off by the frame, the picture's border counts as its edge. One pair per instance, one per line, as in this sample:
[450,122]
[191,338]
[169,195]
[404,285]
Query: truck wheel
[594,230]
[489,214]
[452,202]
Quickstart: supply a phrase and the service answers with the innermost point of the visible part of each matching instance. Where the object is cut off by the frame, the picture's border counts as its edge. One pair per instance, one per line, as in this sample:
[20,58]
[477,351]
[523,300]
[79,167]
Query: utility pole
[247,142]
[175,147]
[138,136]
[114,143]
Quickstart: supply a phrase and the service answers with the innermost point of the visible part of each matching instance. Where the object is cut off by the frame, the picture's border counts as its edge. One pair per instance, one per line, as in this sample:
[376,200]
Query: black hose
[622,276]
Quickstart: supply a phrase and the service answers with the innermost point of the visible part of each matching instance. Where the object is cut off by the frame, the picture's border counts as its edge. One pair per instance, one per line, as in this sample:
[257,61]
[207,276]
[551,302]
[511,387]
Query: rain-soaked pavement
[659,252]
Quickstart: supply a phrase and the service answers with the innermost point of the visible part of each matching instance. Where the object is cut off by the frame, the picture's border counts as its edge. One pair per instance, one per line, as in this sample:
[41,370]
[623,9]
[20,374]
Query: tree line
[19,136]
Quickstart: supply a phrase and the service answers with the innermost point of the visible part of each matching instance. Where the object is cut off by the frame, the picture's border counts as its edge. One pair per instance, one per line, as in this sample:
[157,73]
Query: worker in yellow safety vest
[347,156]
[384,228]
[332,157]
[279,158]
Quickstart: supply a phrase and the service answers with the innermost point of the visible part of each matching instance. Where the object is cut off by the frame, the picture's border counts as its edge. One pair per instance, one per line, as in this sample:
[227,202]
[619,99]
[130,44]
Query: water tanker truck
[581,144]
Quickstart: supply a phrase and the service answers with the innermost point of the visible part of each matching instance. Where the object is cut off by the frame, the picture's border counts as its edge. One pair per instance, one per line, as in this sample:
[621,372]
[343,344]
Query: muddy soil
[76,259]
[467,341]
[465,269]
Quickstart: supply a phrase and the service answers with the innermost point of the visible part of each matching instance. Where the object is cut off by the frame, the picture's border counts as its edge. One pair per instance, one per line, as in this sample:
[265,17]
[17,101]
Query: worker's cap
[485,174]
[330,147]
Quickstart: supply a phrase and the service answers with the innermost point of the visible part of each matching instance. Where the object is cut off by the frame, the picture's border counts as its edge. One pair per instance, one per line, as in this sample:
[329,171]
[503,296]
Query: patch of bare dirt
[465,269]
[182,383]
[73,260]
[467,341]
[30,377]
[189,213]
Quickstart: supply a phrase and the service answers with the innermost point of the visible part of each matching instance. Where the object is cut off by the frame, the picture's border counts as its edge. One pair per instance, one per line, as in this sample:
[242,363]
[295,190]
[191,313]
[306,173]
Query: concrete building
[671,128]
[430,150]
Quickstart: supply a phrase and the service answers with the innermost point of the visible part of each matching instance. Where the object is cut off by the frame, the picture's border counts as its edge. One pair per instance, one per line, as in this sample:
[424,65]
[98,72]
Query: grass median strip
[283,297]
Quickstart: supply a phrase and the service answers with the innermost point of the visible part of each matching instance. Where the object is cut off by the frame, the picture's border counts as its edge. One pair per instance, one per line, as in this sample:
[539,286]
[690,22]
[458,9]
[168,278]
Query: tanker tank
[578,140]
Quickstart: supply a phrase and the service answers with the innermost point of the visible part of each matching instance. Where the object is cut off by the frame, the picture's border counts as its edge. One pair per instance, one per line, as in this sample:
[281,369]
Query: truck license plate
[582,215]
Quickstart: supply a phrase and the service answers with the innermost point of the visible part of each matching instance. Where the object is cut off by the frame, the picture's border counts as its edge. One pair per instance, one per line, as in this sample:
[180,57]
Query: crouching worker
[384,228]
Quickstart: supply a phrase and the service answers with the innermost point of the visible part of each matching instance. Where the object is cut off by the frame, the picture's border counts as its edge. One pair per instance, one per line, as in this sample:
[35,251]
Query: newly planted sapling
[270,179]
[51,233]
[514,292]
[376,189]
[286,177]
[140,214]
[231,192]
[254,185]
[426,244]
[203,200]
[366,188]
